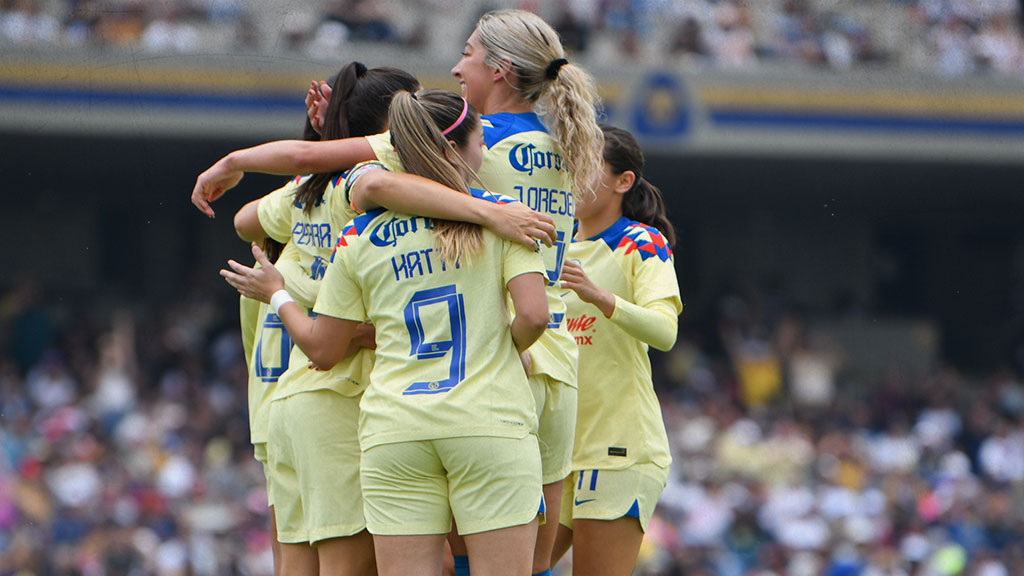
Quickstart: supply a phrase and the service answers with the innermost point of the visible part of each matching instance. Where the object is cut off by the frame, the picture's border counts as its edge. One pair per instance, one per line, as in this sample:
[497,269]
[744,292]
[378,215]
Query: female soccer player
[625,298]
[447,426]
[513,65]
[312,445]
[267,348]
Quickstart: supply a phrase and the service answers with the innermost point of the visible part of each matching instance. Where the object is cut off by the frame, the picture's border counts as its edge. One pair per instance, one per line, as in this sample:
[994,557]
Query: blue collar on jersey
[507,124]
[613,234]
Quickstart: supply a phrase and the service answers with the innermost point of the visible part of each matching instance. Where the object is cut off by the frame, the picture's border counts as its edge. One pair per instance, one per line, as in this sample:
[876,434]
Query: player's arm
[364,337]
[412,194]
[279,157]
[655,323]
[531,304]
[247,222]
[324,339]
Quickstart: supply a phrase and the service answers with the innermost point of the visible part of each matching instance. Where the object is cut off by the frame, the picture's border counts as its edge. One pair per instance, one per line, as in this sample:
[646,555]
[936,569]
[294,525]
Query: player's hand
[519,223]
[365,337]
[256,283]
[527,361]
[317,98]
[575,279]
[212,184]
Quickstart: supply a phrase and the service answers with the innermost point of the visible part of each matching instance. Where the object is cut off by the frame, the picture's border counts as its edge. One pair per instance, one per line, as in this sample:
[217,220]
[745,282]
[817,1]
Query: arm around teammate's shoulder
[412,194]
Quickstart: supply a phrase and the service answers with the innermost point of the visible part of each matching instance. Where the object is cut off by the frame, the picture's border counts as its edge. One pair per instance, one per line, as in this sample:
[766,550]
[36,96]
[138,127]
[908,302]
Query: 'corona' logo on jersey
[527,158]
[387,233]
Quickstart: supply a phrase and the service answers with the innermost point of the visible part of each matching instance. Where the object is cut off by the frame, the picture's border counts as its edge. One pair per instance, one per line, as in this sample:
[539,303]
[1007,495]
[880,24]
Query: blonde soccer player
[447,426]
[512,68]
[624,299]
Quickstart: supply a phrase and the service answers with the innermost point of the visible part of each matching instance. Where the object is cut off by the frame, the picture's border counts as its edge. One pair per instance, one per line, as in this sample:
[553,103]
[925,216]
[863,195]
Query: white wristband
[278,299]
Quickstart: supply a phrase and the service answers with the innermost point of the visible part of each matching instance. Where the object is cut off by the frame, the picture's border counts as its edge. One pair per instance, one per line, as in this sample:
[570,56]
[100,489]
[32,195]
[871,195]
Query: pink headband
[465,108]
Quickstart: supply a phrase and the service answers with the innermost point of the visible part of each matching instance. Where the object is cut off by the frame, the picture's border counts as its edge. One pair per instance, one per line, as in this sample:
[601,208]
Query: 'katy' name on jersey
[411,264]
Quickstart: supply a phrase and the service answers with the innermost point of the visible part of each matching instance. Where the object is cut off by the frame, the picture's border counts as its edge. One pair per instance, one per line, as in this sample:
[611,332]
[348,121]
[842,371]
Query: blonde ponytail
[425,151]
[564,94]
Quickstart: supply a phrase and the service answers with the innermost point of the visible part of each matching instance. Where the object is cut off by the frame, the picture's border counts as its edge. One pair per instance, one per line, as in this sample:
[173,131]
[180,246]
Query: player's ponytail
[643,202]
[564,94]
[421,126]
[358,106]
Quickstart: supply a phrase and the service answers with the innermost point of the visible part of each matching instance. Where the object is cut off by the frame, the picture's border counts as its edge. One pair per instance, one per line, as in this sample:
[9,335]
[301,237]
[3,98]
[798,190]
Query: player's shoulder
[349,177]
[630,237]
[357,226]
[491,196]
[288,192]
[509,126]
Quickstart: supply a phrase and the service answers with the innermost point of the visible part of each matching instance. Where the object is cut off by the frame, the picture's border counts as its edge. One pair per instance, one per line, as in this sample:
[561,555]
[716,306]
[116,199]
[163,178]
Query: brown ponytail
[358,107]
[643,202]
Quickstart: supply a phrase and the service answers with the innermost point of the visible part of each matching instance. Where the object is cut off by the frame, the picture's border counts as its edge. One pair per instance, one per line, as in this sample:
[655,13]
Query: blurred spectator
[167,32]
[688,41]
[952,45]
[26,326]
[950,37]
[998,45]
[121,23]
[733,44]
[797,33]
[27,24]
[81,22]
[573,24]
[365,20]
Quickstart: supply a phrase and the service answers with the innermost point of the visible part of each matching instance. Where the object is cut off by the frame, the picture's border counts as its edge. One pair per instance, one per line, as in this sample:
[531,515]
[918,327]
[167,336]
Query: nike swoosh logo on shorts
[578,501]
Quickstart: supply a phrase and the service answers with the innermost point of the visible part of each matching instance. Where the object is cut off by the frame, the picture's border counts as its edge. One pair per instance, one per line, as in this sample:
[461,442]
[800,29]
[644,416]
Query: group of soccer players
[434,378]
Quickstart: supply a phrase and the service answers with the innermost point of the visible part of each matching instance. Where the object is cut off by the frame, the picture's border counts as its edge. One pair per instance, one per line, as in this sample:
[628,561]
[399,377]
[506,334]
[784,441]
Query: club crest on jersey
[318,268]
[526,158]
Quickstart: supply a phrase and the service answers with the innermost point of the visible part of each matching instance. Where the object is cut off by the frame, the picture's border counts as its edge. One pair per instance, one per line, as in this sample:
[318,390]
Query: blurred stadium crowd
[124,450]
[946,37]
[124,442]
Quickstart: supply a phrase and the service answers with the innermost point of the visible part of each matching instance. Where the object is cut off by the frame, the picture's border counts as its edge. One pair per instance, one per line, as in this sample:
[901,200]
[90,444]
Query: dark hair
[359,104]
[272,248]
[309,134]
[643,202]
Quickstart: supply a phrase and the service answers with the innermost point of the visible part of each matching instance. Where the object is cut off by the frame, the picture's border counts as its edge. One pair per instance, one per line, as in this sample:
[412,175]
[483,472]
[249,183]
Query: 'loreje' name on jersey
[542,184]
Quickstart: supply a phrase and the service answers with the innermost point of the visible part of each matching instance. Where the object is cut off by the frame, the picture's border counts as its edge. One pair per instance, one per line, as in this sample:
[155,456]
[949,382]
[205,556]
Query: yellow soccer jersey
[385,151]
[445,364]
[312,236]
[618,417]
[523,161]
[272,345]
[249,323]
